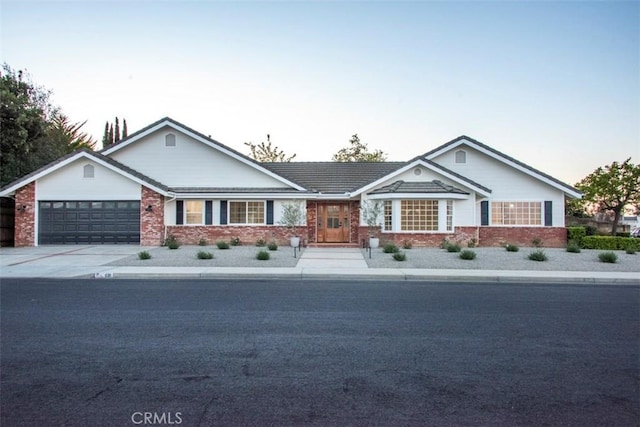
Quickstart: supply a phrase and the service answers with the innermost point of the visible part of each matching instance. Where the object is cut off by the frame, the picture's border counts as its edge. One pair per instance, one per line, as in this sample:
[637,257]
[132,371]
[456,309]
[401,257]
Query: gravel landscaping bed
[500,259]
[186,256]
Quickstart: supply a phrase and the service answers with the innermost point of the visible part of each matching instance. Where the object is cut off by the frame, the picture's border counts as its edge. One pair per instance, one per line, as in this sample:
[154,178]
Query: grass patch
[573,247]
[205,255]
[538,256]
[609,257]
[272,246]
[390,248]
[144,255]
[453,247]
[222,245]
[263,255]
[468,254]
[512,248]
[399,256]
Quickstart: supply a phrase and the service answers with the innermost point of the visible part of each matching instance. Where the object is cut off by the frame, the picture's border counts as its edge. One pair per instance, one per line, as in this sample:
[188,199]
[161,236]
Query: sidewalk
[92,261]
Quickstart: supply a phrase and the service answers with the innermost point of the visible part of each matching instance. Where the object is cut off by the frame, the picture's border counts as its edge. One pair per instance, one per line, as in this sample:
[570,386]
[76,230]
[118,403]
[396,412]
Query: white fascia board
[413,164]
[405,196]
[508,162]
[206,142]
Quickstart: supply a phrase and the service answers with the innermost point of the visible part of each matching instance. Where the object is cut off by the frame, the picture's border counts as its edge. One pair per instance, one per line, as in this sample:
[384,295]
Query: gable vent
[170,140]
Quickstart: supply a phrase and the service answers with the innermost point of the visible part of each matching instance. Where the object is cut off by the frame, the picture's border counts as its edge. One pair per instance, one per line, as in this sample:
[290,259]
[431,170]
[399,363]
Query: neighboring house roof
[91,155]
[333,177]
[430,187]
[501,157]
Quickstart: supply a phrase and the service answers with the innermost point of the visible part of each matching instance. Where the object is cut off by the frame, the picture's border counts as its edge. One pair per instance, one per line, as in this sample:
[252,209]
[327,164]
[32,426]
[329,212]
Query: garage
[89,222]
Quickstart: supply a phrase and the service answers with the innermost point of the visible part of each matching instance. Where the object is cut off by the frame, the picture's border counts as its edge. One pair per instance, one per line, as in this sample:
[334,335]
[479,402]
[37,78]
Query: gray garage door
[94,222]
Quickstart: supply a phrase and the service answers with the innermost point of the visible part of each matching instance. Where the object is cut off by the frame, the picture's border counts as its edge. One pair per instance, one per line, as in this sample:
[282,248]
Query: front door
[333,223]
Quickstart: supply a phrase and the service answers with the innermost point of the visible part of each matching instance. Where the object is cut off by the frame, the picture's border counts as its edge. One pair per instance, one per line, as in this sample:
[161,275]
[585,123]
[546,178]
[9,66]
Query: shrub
[537,256]
[609,243]
[631,251]
[473,243]
[576,234]
[407,244]
[573,247]
[608,257]
[272,246]
[205,255]
[623,234]
[202,242]
[144,255]
[399,256]
[444,243]
[390,248]
[261,242]
[235,241]
[512,248]
[468,254]
[172,243]
[591,230]
[453,247]
[263,255]
[537,242]
[222,245]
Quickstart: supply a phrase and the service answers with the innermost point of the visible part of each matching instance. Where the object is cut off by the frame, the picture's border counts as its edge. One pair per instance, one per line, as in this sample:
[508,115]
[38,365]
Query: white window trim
[396,217]
[491,224]
[246,207]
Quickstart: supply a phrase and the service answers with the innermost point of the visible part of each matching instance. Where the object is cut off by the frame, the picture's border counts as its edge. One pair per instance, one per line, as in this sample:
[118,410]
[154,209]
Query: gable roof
[333,177]
[90,155]
[500,156]
[167,121]
[421,187]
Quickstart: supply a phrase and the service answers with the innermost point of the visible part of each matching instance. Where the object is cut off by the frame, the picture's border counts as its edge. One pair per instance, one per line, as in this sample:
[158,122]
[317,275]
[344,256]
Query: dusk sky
[553,84]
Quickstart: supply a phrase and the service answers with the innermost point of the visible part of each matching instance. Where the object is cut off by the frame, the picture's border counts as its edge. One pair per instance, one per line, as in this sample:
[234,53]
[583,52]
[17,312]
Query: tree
[117,135]
[612,188]
[69,135]
[267,153]
[125,133]
[357,151]
[112,132]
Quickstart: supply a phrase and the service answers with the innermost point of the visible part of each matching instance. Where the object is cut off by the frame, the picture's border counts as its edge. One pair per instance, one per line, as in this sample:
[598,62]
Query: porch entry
[333,222]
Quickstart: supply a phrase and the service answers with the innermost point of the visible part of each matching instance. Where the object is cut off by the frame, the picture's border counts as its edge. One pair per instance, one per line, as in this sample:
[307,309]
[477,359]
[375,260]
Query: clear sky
[553,84]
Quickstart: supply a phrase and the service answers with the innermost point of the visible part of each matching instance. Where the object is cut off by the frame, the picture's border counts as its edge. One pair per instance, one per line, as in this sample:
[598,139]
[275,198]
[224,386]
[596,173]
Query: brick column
[151,218]
[25,219]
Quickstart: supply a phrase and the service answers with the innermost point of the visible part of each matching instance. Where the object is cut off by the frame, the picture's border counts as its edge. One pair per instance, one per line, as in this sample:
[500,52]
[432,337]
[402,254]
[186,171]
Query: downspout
[165,222]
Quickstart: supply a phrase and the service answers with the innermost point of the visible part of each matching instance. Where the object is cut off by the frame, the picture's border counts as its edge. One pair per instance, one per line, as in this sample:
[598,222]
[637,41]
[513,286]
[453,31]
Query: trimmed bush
[407,244]
[263,255]
[144,255]
[202,242]
[453,247]
[272,246]
[608,257]
[576,234]
[172,243]
[399,256]
[222,245]
[537,256]
[512,248]
[468,254]
[537,242]
[472,243]
[205,255]
[631,251]
[235,241]
[390,248]
[261,243]
[573,247]
[610,243]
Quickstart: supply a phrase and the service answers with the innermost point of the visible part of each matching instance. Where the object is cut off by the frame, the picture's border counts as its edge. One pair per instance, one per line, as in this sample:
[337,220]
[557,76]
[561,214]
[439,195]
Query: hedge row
[610,243]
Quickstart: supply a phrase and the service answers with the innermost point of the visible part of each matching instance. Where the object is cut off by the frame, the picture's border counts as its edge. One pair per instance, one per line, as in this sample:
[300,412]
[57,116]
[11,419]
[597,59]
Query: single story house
[170,180]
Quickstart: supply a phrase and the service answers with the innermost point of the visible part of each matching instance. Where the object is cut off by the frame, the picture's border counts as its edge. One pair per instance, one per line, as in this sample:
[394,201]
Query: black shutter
[270,212]
[484,213]
[179,212]
[223,212]
[548,213]
[208,212]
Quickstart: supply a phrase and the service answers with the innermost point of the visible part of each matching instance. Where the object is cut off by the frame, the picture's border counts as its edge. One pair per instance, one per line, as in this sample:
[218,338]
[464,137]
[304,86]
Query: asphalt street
[293,352]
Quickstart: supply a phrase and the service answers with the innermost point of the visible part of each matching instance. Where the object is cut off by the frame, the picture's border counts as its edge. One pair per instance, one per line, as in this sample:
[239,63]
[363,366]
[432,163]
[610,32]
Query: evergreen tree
[116,136]
[124,128]
[105,138]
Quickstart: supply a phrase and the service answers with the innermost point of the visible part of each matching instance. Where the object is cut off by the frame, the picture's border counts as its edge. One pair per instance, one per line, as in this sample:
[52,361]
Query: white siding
[68,183]
[190,163]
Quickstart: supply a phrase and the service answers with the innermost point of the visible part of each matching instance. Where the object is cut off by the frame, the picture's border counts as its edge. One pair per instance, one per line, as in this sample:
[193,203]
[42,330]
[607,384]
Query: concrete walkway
[315,263]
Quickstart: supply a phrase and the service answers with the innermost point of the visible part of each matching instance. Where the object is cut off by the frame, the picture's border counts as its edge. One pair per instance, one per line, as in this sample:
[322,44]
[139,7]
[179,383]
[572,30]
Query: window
[88,171]
[170,140]
[449,215]
[516,213]
[388,215]
[461,156]
[246,213]
[194,210]
[419,215]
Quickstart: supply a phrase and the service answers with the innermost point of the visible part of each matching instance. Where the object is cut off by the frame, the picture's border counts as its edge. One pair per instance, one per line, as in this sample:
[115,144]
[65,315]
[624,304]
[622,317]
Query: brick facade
[248,234]
[151,221]
[25,219]
[551,237]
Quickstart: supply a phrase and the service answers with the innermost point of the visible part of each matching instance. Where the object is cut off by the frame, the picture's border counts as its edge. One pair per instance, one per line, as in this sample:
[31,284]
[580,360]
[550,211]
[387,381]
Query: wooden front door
[333,223]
